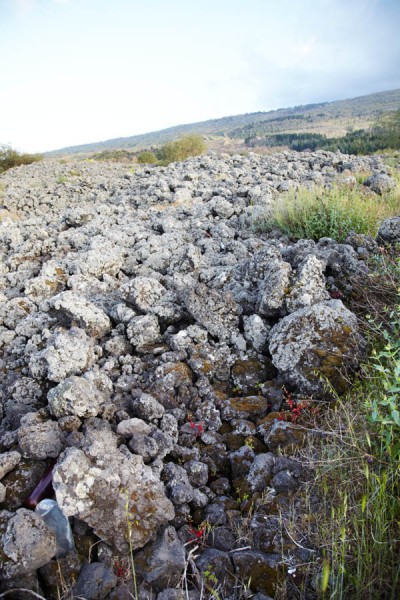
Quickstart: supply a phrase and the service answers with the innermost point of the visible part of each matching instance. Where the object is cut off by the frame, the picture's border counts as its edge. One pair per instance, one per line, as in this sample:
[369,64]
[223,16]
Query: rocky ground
[151,342]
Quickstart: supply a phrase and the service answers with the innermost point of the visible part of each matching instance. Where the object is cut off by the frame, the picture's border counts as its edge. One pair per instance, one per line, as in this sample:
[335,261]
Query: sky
[81,71]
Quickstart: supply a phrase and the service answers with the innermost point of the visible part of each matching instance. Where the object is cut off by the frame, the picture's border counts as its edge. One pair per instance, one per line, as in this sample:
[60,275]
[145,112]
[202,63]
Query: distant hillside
[329,118]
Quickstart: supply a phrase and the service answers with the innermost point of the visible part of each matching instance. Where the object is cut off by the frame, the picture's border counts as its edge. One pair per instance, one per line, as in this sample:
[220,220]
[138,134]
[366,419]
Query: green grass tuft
[318,212]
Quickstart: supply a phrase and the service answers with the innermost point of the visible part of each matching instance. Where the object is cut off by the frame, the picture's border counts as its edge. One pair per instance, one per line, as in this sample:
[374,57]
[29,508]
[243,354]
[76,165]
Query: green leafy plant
[211,582]
[384,404]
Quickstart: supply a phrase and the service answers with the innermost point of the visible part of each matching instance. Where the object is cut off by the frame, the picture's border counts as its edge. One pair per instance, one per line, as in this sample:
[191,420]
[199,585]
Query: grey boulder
[389,231]
[66,353]
[380,183]
[113,492]
[321,341]
[162,562]
[75,396]
[26,543]
[82,313]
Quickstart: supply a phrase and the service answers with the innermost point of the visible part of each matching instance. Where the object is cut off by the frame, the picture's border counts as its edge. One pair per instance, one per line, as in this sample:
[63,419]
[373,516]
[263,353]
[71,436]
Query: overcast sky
[80,71]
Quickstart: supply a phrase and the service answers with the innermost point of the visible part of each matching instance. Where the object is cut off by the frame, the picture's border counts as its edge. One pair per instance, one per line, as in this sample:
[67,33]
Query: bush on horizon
[147,158]
[190,145]
[10,158]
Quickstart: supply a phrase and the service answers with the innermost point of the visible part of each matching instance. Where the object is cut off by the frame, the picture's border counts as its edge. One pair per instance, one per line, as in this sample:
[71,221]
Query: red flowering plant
[197,428]
[199,534]
[294,410]
[121,568]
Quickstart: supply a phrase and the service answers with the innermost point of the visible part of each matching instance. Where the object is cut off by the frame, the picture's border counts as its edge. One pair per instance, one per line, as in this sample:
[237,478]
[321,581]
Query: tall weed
[319,212]
[354,454]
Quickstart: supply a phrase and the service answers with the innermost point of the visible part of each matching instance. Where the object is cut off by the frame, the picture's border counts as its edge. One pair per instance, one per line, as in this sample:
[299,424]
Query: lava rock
[162,562]
[95,581]
[321,340]
[26,543]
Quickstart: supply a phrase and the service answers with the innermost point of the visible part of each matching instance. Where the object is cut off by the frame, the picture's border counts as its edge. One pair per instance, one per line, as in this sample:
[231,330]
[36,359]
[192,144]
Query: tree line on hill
[384,135]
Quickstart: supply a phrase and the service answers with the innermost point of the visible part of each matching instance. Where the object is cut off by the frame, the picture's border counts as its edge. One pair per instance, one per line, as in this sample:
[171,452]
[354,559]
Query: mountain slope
[331,118]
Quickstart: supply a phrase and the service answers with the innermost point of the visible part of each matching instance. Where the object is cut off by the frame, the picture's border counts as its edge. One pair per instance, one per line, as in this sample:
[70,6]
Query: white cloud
[307,48]
[24,5]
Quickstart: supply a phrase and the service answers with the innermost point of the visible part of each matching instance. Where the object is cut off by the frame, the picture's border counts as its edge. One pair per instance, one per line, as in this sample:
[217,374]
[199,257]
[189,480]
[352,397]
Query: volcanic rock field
[150,335]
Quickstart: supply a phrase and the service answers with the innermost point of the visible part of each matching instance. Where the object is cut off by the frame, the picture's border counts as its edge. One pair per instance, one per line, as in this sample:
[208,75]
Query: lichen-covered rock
[145,446]
[309,286]
[153,302]
[3,493]
[177,484]
[143,331]
[281,434]
[380,183]
[218,565]
[149,296]
[260,283]
[147,407]
[241,461]
[51,280]
[8,462]
[389,231]
[273,289]
[216,312]
[256,332]
[81,312]
[78,215]
[113,493]
[15,310]
[103,257]
[66,353]
[244,407]
[20,482]
[75,396]
[248,374]
[26,543]
[314,342]
[133,427]
[197,472]
[284,482]
[39,439]
[260,472]
[67,567]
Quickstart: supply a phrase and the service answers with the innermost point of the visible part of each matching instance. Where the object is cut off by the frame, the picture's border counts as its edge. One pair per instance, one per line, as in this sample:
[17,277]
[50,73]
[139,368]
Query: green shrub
[334,213]
[190,145]
[147,157]
[122,156]
[10,158]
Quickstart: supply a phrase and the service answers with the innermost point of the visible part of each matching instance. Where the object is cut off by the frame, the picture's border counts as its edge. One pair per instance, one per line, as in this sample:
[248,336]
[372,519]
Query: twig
[4,594]
[294,541]
[189,560]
